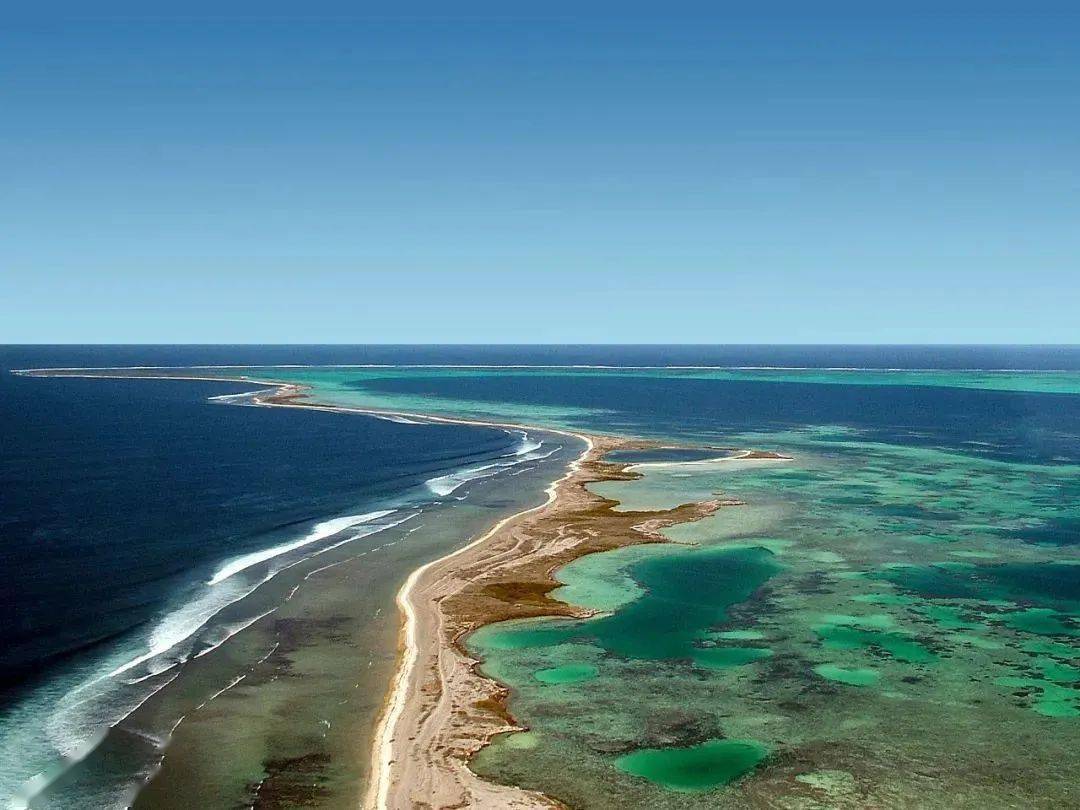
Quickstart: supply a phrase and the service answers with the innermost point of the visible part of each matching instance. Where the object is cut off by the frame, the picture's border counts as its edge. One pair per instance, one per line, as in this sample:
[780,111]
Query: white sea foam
[240,396]
[445,485]
[368,531]
[534,456]
[320,531]
[182,623]
[527,450]
[230,630]
[527,445]
[401,420]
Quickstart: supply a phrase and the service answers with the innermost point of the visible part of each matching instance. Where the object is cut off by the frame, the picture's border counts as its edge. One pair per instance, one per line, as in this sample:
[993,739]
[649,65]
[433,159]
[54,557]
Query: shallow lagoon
[683,595]
[865,578]
[696,768]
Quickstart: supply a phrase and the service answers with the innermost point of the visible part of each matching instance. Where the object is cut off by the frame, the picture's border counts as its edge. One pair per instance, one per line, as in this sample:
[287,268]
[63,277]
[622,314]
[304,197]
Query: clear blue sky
[724,172]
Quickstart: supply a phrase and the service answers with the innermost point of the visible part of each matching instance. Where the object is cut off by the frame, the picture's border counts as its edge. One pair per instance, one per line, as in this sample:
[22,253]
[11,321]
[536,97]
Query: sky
[516,173]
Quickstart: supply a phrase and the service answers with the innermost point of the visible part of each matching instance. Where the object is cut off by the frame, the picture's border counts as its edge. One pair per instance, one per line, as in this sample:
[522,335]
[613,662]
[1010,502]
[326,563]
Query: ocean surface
[135,515]
[920,551]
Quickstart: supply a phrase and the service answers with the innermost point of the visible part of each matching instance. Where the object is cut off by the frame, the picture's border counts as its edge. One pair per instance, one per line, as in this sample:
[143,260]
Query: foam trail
[367,532]
[401,420]
[541,456]
[231,630]
[320,531]
[78,717]
[182,623]
[446,484]
[240,396]
[527,445]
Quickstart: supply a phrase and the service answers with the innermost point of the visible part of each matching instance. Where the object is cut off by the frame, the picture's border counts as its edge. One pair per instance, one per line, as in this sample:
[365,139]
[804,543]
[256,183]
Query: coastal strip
[440,710]
[277,393]
[406,677]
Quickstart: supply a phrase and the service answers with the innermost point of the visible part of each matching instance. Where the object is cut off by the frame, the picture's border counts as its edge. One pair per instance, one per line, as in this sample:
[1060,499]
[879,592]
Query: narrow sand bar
[440,710]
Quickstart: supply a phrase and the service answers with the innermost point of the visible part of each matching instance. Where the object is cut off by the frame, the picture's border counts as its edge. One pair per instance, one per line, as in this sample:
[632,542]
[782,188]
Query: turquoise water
[894,580]
[430,390]
[697,768]
[1064,381]
[684,596]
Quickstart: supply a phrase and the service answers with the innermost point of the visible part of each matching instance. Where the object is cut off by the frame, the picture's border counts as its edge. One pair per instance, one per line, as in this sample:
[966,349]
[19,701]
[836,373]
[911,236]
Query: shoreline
[431,661]
[442,709]
[280,394]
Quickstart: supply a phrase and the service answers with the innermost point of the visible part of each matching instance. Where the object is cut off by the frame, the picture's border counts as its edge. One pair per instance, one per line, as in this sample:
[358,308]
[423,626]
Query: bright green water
[697,768]
[853,676]
[568,673]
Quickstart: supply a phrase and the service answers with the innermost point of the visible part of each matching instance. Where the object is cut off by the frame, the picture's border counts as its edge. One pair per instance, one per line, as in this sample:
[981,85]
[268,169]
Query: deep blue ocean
[1007,425]
[117,494]
[121,499]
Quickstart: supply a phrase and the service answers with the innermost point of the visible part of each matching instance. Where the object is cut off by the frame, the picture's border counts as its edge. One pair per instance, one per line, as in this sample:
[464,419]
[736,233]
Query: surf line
[378,792]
